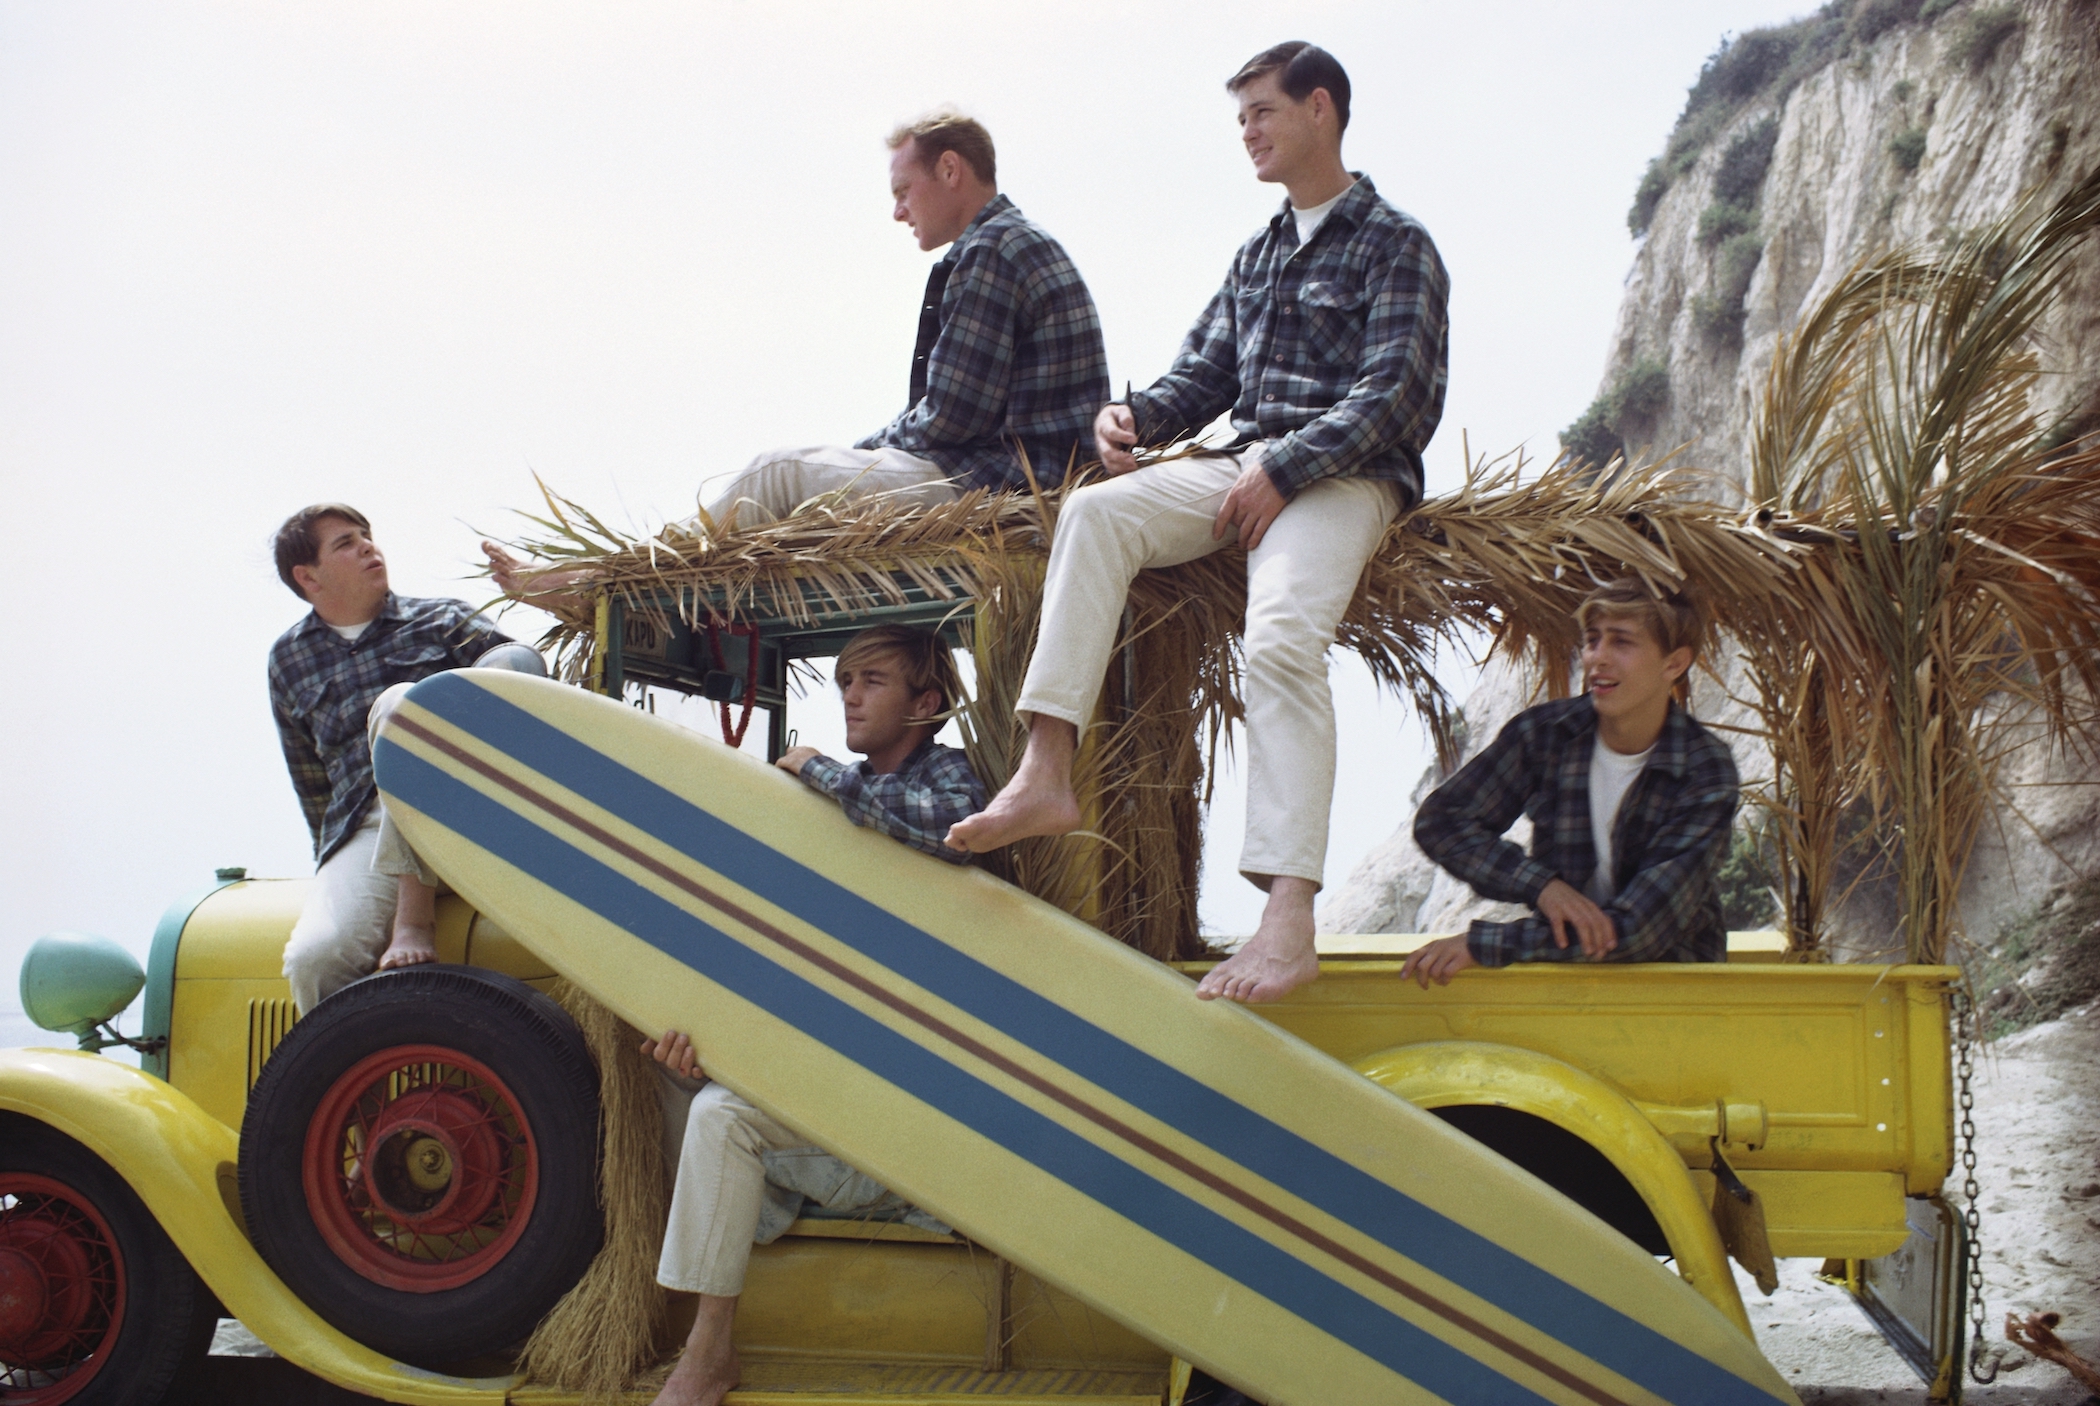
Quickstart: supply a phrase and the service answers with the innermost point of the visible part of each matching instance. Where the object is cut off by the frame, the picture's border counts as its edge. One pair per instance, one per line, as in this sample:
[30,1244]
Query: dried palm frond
[1963,566]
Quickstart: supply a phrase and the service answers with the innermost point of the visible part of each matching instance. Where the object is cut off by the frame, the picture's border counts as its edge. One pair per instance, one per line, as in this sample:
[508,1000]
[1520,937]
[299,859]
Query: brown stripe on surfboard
[1101,1118]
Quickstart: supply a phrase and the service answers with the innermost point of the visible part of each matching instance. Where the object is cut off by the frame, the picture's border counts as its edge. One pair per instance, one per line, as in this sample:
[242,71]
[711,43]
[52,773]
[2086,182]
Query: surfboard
[1186,1167]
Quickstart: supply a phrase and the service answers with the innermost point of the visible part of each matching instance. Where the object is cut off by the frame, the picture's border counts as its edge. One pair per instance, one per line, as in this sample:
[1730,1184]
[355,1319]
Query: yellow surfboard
[1186,1167]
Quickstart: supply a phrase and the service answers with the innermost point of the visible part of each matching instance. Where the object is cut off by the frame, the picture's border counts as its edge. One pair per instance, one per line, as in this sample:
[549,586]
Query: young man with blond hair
[1009,361]
[1327,345]
[742,1177]
[1631,803]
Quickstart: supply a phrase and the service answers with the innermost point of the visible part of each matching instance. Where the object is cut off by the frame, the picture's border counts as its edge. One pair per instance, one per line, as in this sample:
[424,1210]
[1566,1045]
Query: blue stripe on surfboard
[1195,1229]
[1624,1344]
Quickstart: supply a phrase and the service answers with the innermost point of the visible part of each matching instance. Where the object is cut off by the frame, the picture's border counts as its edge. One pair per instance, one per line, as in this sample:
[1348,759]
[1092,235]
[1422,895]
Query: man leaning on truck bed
[1630,799]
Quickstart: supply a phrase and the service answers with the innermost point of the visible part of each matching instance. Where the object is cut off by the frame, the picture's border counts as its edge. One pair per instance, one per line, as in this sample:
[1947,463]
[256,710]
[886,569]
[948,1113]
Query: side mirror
[75,983]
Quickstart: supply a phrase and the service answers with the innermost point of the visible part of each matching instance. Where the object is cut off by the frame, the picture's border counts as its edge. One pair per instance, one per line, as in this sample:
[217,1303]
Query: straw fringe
[602,1337]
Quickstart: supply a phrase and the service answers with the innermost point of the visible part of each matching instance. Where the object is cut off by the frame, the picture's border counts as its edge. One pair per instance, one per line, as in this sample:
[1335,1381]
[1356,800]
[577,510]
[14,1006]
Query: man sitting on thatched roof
[1631,803]
[1327,344]
[1009,361]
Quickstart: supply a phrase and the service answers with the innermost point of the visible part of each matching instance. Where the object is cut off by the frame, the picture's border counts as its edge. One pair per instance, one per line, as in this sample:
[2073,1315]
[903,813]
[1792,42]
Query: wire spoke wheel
[420,1168]
[61,1290]
[97,1306]
[419,1161]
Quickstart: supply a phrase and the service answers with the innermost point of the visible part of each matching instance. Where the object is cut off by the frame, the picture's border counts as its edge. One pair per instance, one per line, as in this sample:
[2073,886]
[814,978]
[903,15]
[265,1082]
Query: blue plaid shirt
[915,803]
[322,686]
[1670,836]
[1335,355]
[1017,356]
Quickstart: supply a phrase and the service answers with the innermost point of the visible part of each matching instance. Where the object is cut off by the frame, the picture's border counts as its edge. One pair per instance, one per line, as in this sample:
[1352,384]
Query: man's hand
[675,1053]
[1115,432]
[792,759]
[1564,906]
[1438,961]
[1252,504]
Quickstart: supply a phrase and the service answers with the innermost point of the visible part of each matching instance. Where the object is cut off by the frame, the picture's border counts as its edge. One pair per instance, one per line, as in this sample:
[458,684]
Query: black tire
[327,1216]
[165,1324]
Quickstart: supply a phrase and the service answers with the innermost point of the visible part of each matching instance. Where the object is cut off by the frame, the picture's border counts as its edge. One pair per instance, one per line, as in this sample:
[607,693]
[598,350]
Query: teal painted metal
[160,970]
[74,981]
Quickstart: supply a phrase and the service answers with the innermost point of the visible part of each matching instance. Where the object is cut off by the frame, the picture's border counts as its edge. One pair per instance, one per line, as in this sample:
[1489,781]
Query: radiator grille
[268,1023]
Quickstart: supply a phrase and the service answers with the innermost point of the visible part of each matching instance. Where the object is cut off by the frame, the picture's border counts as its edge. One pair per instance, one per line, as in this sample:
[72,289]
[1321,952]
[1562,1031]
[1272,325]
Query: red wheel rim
[61,1290]
[420,1169]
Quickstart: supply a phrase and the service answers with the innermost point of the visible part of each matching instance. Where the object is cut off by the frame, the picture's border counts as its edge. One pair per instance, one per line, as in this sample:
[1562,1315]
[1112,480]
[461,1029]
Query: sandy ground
[2038,1152]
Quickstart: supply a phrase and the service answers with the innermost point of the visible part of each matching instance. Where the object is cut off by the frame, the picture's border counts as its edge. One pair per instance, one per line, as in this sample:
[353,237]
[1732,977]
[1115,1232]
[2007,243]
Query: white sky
[254,255]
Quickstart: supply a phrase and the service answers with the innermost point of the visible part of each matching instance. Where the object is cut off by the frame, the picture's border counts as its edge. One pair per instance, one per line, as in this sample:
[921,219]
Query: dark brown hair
[298,542]
[926,661]
[945,129]
[1301,67]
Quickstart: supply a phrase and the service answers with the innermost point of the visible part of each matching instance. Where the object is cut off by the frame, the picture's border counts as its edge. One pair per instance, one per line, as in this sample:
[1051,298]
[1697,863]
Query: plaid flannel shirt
[1018,356]
[915,803]
[322,686]
[1334,356]
[1671,833]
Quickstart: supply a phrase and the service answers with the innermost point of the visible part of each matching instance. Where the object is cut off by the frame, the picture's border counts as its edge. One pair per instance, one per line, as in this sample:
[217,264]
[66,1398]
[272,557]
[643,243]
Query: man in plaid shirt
[741,1176]
[1009,358]
[1630,800]
[892,680]
[1327,346]
[358,640]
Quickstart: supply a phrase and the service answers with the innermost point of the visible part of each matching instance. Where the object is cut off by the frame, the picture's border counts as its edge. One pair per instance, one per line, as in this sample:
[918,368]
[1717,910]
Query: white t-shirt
[351,632]
[1611,777]
[1309,220]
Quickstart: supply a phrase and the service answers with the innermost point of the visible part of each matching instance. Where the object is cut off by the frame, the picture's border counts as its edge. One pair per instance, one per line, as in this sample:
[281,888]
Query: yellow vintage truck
[392,1193]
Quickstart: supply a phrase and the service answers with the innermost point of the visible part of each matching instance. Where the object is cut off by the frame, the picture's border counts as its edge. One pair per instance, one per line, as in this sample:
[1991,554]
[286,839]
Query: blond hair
[1675,619]
[945,129]
[926,662]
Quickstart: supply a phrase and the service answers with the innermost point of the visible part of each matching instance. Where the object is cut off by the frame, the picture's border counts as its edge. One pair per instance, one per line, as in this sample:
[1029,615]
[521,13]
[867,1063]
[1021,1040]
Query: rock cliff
[1803,150]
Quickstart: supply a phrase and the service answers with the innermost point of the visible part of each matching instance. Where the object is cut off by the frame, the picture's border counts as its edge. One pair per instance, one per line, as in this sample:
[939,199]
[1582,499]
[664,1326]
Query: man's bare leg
[707,1370]
[1039,799]
[1279,958]
[415,926]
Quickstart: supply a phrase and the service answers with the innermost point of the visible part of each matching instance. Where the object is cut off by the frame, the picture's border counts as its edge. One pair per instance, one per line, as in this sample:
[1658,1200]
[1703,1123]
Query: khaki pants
[1300,580]
[781,480]
[719,1193]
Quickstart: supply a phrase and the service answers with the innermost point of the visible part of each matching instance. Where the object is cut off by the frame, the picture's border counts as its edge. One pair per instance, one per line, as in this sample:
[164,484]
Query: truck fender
[181,1162]
[1444,1073]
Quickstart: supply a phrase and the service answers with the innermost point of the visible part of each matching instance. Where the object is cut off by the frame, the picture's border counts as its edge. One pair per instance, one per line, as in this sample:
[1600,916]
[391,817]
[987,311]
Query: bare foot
[708,1370]
[1279,958]
[1016,813]
[412,946]
[1039,799]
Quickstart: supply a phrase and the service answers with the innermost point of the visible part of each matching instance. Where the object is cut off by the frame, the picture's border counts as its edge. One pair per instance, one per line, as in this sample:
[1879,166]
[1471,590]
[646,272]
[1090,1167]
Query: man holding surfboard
[742,1177]
[1631,803]
[357,640]
[1327,345]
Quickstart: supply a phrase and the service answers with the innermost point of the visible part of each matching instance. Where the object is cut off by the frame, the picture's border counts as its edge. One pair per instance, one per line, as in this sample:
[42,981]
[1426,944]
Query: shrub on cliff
[1982,33]
[1630,405]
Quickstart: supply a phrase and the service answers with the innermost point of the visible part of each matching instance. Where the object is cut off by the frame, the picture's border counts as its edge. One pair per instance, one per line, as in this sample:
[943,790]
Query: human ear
[1677,661]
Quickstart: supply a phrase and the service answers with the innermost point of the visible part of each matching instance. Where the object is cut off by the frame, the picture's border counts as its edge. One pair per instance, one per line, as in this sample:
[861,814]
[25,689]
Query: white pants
[719,1193]
[391,854]
[346,923]
[1300,580]
[348,919]
[781,480]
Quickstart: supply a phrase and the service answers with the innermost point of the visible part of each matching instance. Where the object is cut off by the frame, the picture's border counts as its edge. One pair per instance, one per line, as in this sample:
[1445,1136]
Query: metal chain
[1972,1219]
